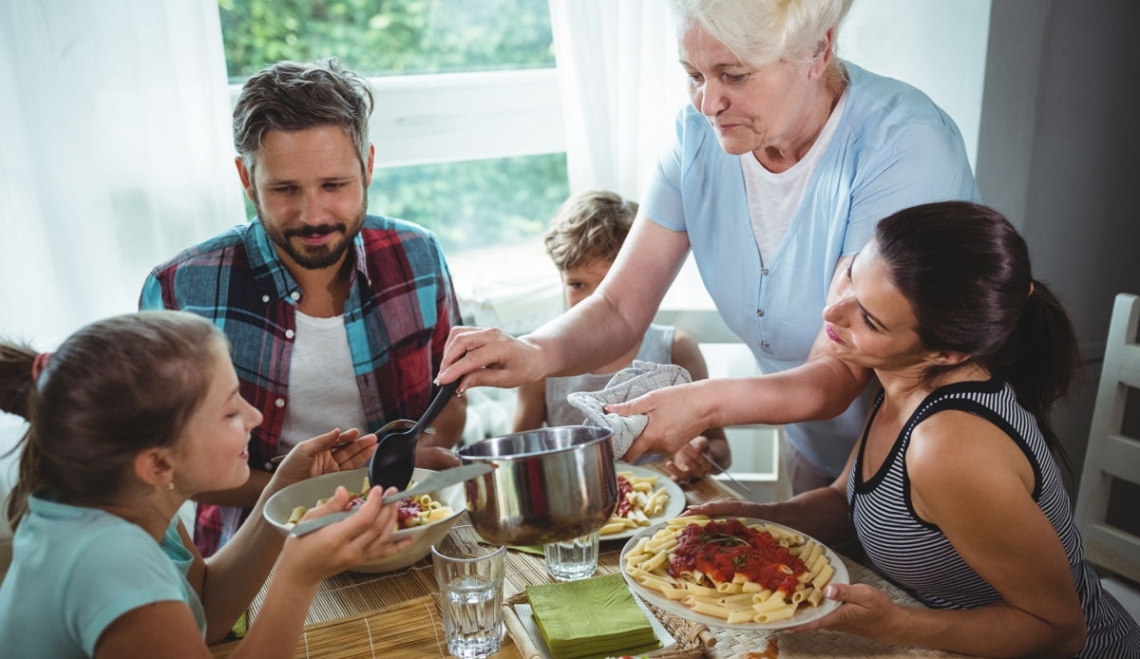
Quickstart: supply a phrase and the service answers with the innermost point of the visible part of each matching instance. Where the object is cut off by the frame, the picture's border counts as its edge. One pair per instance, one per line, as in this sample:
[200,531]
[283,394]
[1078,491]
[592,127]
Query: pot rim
[603,434]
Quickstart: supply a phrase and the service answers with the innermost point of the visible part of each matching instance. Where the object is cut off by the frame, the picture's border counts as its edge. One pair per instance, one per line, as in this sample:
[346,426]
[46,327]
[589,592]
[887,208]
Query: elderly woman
[779,170]
[953,488]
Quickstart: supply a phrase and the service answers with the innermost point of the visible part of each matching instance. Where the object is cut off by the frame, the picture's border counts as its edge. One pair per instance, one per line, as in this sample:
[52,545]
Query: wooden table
[393,615]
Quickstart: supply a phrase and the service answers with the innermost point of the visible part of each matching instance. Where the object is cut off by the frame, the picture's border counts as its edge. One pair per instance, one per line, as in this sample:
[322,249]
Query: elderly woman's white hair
[762,32]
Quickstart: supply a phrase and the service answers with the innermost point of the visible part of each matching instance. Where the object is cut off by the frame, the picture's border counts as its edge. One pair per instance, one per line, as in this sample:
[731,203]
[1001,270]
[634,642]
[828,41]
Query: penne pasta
[724,590]
[423,510]
[641,500]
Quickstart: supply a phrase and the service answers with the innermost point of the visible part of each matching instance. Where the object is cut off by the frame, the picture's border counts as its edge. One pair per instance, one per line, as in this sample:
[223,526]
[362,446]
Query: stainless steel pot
[549,484]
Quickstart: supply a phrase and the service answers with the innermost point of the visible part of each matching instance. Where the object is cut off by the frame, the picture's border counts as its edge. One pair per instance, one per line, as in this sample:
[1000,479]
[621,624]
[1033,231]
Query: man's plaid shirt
[400,309]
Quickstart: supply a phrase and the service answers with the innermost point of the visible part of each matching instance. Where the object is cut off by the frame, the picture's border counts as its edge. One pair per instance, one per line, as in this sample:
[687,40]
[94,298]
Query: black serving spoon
[395,456]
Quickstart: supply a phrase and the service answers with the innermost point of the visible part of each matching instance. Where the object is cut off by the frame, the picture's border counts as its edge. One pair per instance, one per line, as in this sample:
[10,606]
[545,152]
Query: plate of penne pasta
[649,497]
[732,572]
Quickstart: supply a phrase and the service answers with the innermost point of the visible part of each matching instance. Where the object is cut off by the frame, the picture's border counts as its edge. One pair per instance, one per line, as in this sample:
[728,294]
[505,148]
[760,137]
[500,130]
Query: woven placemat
[412,630]
[350,593]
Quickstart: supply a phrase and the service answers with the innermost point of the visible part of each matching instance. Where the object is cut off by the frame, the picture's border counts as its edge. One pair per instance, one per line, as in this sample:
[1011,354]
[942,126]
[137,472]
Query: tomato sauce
[624,490]
[407,509]
[722,549]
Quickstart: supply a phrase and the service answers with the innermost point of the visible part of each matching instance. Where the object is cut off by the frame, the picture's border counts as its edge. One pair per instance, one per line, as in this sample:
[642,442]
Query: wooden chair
[1112,455]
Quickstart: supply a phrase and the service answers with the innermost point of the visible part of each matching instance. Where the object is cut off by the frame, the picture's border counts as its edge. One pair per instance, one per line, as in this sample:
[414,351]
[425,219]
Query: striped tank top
[917,555]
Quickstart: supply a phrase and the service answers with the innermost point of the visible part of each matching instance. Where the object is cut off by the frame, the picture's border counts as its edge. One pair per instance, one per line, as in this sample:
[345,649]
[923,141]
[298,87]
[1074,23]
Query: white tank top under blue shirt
[773,199]
[919,557]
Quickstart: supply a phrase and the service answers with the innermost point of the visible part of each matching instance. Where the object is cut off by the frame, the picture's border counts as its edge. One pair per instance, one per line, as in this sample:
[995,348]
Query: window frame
[449,117]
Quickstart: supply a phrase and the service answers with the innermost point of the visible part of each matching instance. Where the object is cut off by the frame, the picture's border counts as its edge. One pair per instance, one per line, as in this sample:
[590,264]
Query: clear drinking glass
[572,559]
[470,579]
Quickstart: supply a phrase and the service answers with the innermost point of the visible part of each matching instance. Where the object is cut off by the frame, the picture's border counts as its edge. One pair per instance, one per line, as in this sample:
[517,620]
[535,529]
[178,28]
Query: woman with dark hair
[131,417]
[953,489]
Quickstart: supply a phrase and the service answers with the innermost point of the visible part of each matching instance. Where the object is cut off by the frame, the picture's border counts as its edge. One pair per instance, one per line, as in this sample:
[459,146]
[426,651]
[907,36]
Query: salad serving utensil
[392,463]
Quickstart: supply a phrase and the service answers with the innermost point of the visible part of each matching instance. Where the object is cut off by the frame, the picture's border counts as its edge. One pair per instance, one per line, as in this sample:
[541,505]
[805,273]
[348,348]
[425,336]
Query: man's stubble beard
[319,257]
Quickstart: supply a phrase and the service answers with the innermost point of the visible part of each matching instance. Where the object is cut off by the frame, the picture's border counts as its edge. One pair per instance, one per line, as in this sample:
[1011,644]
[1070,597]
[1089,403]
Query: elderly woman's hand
[674,419]
[320,455]
[489,357]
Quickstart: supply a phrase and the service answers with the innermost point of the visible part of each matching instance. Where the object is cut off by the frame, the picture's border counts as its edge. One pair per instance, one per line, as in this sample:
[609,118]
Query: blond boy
[583,240]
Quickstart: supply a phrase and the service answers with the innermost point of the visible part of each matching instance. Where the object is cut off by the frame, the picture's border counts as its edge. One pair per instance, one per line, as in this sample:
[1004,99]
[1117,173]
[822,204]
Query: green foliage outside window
[467,204]
[388,37]
[474,204]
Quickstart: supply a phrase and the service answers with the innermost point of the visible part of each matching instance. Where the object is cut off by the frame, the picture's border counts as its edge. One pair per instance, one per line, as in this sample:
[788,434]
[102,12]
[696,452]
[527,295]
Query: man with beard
[337,319]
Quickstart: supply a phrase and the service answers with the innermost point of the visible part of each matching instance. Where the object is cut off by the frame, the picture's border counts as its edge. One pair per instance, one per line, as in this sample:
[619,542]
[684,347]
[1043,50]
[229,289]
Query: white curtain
[115,153]
[621,88]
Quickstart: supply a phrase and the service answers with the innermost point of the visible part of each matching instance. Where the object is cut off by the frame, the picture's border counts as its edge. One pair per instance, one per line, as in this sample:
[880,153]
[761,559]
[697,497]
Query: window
[467,124]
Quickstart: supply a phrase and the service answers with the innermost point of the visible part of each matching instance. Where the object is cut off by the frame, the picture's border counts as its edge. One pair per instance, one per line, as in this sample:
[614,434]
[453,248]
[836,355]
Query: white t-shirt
[773,199]
[322,383]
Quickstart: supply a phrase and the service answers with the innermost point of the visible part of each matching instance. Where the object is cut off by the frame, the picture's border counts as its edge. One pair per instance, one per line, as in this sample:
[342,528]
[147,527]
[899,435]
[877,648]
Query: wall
[1057,153]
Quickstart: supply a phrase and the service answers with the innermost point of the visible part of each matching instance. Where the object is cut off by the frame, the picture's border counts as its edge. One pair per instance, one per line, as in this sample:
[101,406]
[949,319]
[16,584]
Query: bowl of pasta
[426,519]
[732,572]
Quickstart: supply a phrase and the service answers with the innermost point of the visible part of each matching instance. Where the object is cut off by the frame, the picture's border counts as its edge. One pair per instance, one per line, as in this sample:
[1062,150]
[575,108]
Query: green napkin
[537,550]
[590,617]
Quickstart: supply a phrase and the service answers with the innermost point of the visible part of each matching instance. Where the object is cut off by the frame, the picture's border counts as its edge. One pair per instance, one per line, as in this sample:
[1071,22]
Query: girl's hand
[864,610]
[363,537]
[317,456]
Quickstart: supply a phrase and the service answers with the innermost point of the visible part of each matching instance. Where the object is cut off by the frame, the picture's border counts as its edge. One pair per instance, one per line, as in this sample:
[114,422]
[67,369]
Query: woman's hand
[864,611]
[729,507]
[675,417]
[363,537]
[489,357]
[317,456]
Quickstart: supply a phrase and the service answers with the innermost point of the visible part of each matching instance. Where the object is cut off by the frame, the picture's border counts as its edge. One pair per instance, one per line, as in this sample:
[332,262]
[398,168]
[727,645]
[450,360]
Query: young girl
[953,489]
[131,417]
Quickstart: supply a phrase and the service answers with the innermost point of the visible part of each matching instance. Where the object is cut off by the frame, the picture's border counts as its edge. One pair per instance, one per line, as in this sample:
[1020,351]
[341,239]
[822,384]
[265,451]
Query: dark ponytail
[16,382]
[17,389]
[1045,358]
[965,271]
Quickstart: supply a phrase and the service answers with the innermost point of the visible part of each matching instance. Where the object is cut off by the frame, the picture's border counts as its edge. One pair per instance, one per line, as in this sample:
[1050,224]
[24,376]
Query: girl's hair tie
[39,364]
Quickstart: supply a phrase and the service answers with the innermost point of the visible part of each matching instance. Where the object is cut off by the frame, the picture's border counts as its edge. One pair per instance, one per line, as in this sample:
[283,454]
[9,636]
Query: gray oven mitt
[627,384]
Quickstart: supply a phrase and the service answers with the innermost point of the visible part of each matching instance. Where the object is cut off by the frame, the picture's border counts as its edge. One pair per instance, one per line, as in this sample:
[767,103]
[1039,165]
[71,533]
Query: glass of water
[470,578]
[572,559]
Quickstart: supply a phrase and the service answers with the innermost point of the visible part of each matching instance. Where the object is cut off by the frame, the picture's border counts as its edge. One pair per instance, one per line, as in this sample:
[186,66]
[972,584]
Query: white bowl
[308,492]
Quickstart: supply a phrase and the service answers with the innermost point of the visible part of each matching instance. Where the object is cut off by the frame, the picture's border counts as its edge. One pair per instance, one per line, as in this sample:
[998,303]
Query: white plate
[803,615]
[674,507]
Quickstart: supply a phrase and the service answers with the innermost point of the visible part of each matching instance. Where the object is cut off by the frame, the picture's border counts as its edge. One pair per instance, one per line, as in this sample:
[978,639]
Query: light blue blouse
[893,148]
